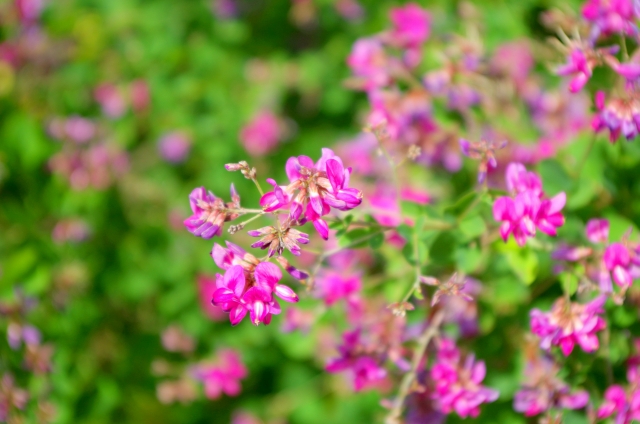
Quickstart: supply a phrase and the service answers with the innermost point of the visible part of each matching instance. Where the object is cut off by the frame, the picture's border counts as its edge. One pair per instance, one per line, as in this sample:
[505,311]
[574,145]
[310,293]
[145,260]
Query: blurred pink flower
[222,375]
[174,146]
[262,134]
[111,100]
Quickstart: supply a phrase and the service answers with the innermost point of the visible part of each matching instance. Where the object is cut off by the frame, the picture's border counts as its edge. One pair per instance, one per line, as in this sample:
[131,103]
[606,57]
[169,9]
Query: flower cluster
[528,209]
[568,324]
[248,285]
[542,390]
[458,380]
[313,189]
[364,367]
[210,212]
[221,375]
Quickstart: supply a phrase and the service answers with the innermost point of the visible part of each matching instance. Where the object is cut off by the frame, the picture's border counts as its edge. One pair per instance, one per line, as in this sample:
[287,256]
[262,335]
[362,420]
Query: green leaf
[472,227]
[462,204]
[376,241]
[569,282]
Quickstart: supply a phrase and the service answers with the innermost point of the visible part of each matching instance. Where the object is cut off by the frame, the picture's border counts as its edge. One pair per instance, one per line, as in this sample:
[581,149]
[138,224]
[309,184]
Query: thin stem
[258,186]
[244,211]
[253,218]
[408,379]
[418,269]
[625,52]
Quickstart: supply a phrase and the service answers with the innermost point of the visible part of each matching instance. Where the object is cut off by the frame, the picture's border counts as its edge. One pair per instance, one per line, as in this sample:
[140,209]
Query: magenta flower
[29,10]
[363,368]
[598,230]
[625,406]
[250,289]
[543,390]
[333,286]
[569,324]
[369,63]
[617,259]
[210,212]
[411,25]
[619,116]
[458,382]
[206,288]
[280,238]
[174,147]
[580,66]
[222,375]
[528,210]
[313,190]
[262,134]
[612,16]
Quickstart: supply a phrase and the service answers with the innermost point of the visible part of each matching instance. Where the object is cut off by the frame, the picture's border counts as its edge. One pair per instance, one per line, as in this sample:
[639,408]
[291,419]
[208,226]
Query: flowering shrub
[433,212]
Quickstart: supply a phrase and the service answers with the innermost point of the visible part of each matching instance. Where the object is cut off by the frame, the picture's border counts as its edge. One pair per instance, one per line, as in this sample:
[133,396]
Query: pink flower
[111,100]
[222,375]
[569,324]
[174,147]
[313,190]
[206,288]
[529,209]
[29,10]
[580,66]
[262,134]
[458,382]
[617,259]
[612,16]
[280,238]
[485,151]
[411,25]
[598,230]
[210,212]
[619,115]
[543,390]
[363,368]
[333,286]
[625,405]
[250,290]
[369,63]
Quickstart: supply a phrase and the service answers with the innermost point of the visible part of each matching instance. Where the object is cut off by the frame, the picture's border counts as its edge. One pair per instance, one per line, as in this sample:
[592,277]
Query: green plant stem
[423,342]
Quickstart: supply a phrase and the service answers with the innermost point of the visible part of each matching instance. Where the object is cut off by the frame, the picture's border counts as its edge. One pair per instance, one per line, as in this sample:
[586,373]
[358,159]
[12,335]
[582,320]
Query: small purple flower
[543,390]
[313,190]
[619,116]
[458,382]
[365,369]
[568,324]
[612,16]
[625,405]
[580,66]
[528,210]
[280,238]
[111,100]
[369,63]
[598,230]
[174,147]
[617,259]
[210,212]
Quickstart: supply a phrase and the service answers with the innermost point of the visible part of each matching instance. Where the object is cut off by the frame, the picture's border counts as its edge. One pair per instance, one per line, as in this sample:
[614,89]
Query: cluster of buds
[210,212]
[242,166]
[485,152]
[528,208]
